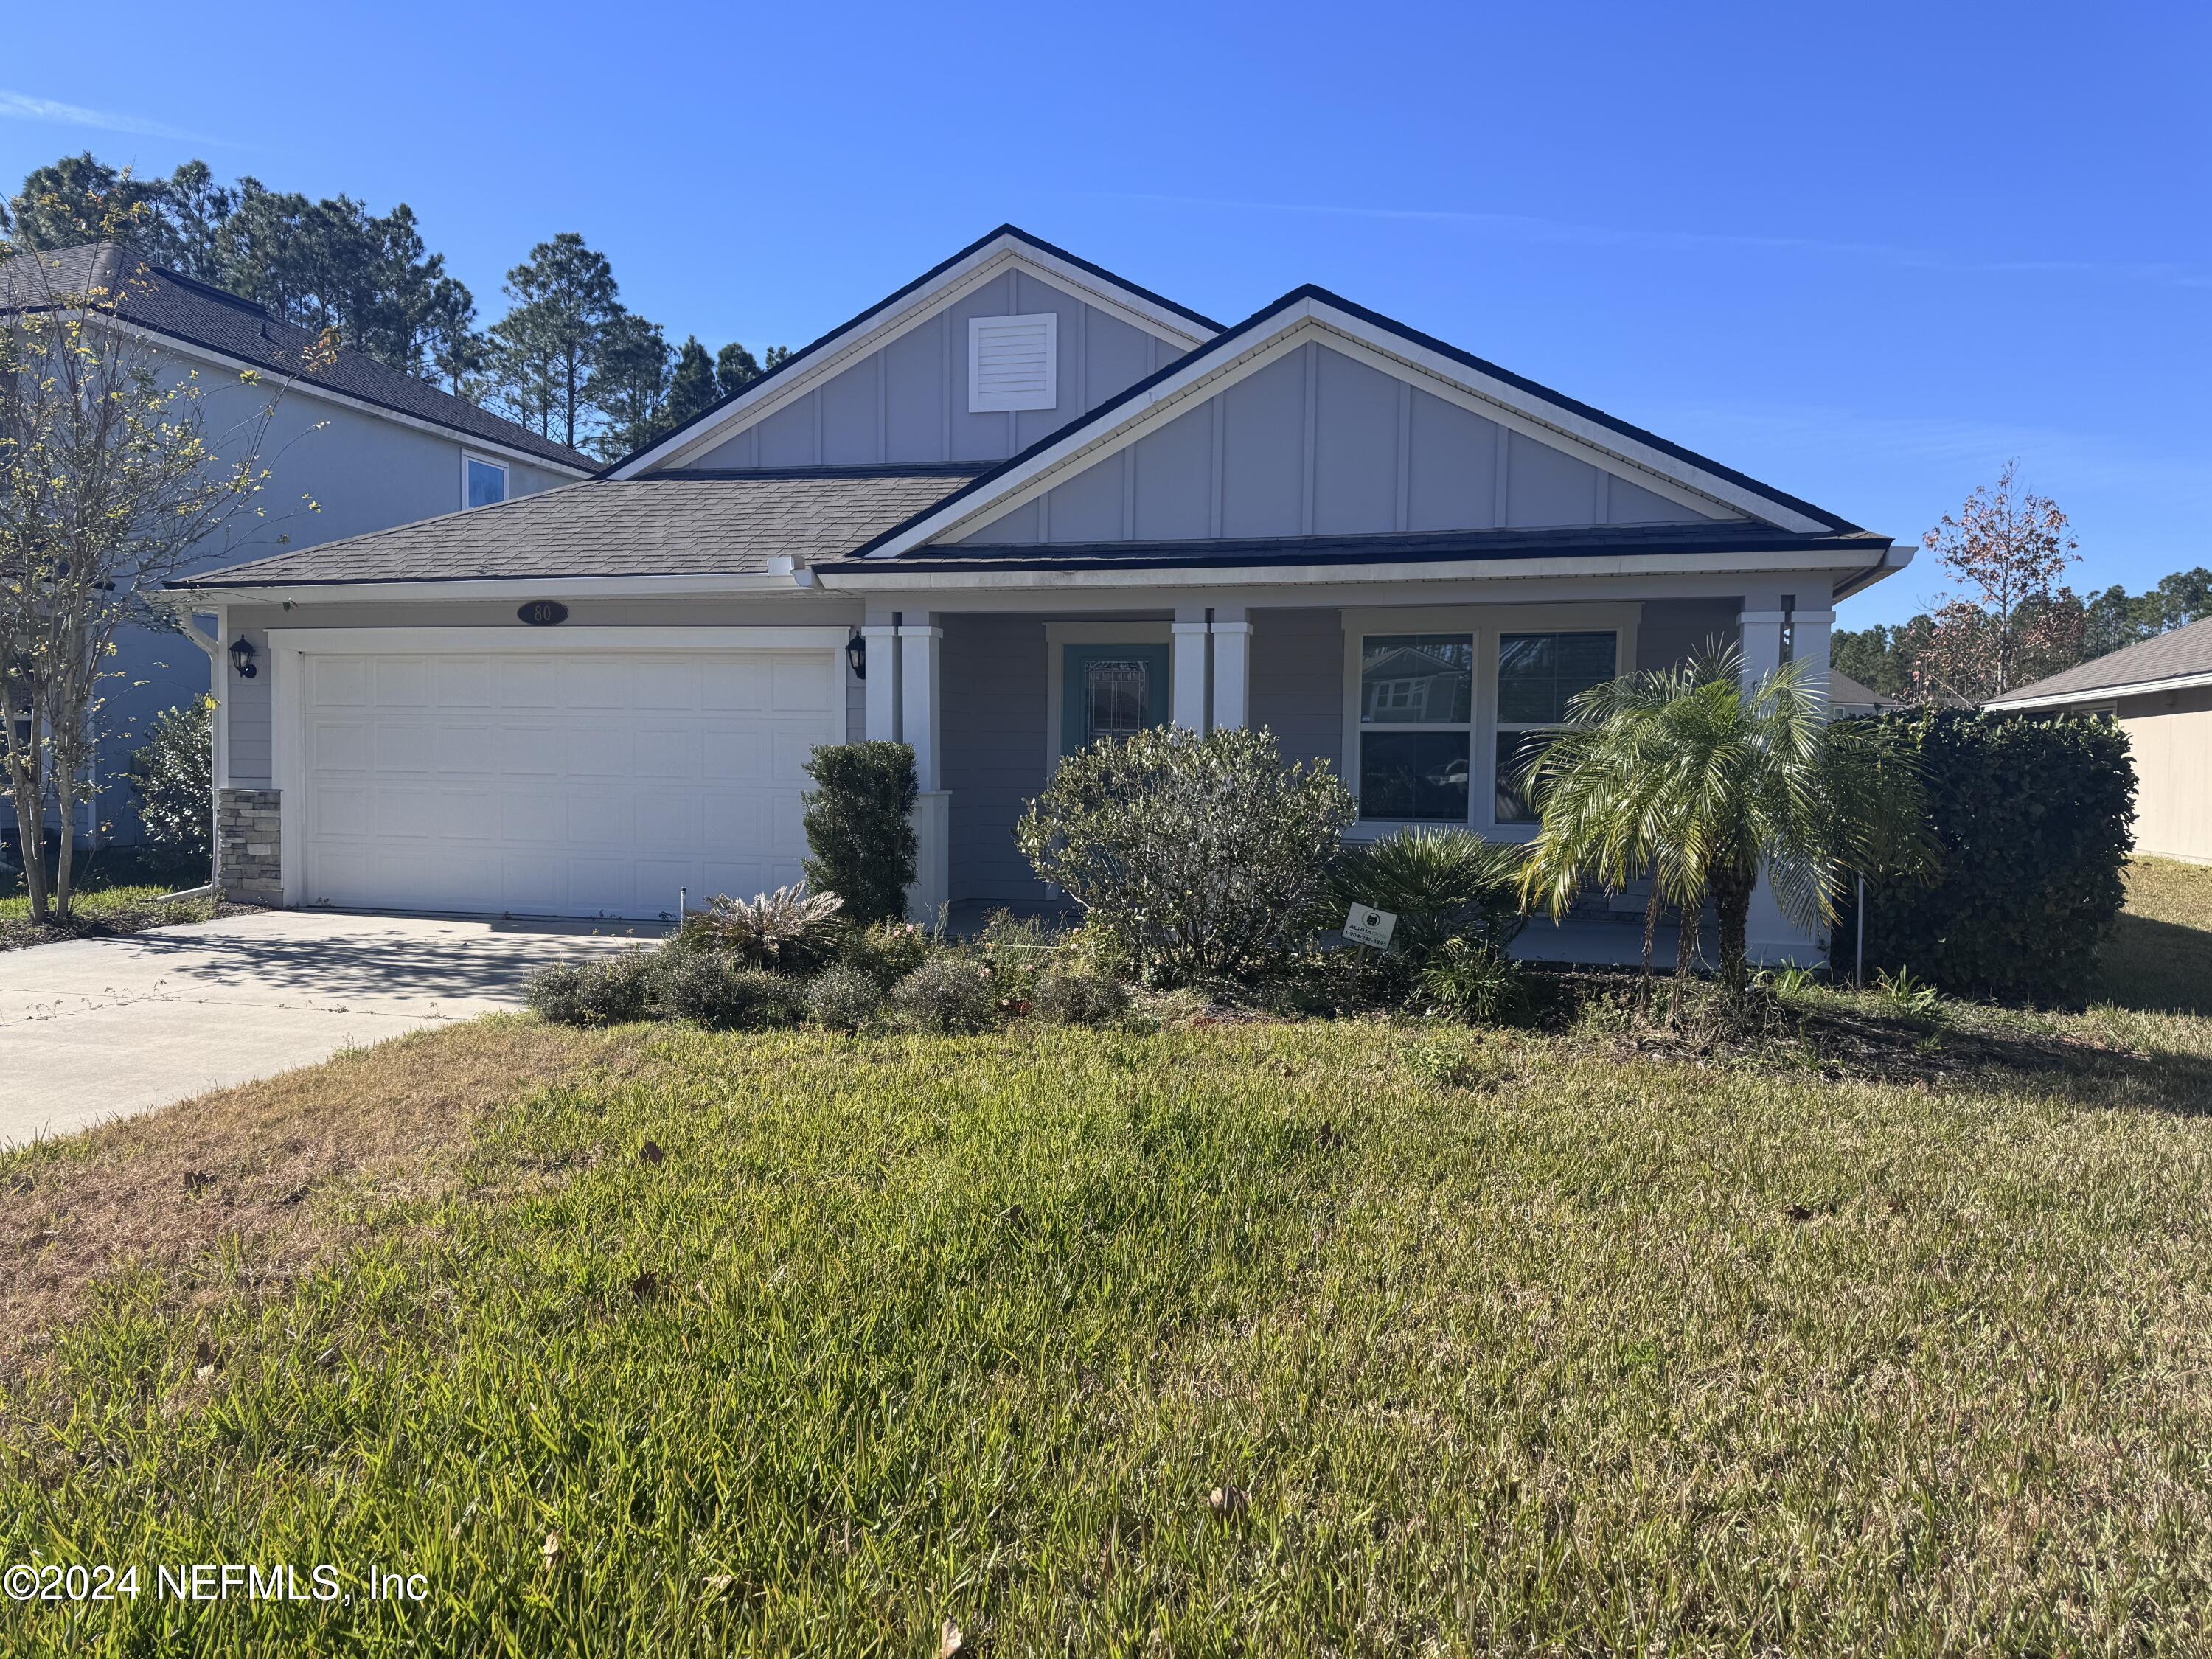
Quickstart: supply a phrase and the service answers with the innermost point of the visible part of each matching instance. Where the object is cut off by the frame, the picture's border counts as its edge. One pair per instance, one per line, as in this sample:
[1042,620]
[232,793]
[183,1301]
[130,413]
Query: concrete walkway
[96,1028]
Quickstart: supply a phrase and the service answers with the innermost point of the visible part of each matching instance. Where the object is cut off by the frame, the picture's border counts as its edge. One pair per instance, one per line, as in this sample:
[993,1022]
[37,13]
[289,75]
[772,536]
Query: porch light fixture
[241,657]
[856,653]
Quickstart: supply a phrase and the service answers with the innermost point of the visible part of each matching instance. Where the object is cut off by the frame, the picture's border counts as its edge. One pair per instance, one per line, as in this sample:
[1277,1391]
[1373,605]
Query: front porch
[1412,707]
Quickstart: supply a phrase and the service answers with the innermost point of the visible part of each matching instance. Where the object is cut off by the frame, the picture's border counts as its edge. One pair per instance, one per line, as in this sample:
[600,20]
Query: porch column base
[249,853]
[933,858]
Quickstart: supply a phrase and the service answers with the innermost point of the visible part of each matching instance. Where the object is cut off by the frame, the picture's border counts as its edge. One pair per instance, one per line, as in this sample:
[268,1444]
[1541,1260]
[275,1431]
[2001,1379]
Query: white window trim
[506,473]
[1485,624]
[1060,635]
[978,404]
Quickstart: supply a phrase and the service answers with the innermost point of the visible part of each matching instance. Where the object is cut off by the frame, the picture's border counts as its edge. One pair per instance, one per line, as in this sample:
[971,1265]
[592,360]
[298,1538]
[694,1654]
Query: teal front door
[1110,691]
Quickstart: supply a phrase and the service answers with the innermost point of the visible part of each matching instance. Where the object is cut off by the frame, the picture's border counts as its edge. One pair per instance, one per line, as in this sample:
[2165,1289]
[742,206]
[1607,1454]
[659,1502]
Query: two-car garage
[586,772]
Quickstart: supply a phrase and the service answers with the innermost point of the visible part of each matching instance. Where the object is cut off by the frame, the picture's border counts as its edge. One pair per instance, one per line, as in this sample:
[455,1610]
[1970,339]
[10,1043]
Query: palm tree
[1704,784]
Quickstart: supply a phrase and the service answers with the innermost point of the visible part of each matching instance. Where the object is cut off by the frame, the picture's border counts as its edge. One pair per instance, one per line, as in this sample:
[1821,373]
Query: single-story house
[2159,690]
[357,445]
[1020,504]
[1847,697]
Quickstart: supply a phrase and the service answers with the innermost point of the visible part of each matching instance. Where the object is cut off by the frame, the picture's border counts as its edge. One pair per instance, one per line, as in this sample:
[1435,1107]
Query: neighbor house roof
[677,524]
[1845,692]
[2184,655]
[195,314]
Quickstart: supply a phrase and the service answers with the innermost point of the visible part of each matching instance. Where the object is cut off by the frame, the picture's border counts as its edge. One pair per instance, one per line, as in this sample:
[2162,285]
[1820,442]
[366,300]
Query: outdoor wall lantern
[241,657]
[856,653]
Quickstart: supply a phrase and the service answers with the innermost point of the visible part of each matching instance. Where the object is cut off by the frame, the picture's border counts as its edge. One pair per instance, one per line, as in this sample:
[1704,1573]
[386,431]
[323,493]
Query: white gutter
[1896,559]
[2104,693]
[491,587]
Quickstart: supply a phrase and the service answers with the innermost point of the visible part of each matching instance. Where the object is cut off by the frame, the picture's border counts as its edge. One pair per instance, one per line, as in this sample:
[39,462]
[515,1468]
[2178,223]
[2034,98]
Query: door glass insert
[1116,696]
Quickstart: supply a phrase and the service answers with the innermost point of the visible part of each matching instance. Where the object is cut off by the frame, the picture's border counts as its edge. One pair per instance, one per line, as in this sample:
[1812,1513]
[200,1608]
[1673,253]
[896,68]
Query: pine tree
[693,389]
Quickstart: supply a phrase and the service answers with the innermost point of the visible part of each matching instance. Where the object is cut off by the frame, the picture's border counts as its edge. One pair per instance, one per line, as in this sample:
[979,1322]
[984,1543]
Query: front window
[486,482]
[1538,675]
[1116,694]
[1416,726]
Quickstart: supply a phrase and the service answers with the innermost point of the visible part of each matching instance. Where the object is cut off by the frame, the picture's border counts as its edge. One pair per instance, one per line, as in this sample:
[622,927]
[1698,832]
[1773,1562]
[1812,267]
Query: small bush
[2031,818]
[947,992]
[1020,949]
[1205,857]
[174,778]
[888,951]
[859,827]
[1473,981]
[716,991]
[1079,999]
[790,931]
[844,996]
[608,992]
[1440,884]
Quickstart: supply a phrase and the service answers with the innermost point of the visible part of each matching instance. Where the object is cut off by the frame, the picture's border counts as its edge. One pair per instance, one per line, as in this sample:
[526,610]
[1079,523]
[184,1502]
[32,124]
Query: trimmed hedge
[859,828]
[2033,816]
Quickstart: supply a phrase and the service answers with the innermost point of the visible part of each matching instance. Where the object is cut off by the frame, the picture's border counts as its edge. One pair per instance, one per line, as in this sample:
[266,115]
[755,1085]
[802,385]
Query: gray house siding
[1671,630]
[994,724]
[1297,682]
[906,401]
[361,470]
[1318,443]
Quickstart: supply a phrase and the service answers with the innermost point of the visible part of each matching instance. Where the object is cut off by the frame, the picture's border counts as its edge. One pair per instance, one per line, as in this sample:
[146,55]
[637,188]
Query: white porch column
[921,727]
[1232,672]
[882,684]
[1188,676]
[1769,937]
[1809,634]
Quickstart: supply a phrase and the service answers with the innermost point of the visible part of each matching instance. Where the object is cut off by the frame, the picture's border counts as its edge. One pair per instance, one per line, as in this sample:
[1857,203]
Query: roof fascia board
[2104,693]
[1281,344]
[185,346]
[878,576]
[1509,405]
[749,584]
[891,318]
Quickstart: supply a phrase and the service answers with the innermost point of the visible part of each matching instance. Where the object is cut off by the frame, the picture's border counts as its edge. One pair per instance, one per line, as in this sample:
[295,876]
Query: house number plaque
[543,613]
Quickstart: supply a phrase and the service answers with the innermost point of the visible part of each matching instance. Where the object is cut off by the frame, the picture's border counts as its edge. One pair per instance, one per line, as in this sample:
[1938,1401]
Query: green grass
[94,905]
[1514,1342]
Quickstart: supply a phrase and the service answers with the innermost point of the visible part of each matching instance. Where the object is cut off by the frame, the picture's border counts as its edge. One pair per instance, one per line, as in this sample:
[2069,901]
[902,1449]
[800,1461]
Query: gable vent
[1013,362]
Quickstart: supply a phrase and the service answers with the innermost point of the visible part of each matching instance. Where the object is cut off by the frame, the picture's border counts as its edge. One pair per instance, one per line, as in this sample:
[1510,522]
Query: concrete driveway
[95,1028]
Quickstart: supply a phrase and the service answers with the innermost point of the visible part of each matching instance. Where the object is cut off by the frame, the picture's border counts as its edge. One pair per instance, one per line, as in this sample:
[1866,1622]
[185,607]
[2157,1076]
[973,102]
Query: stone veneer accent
[249,854]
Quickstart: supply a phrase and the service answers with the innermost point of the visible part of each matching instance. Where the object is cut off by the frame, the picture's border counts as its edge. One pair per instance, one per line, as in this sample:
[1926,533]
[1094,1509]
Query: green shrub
[1471,981]
[1440,884]
[1020,951]
[610,991]
[789,931]
[844,996]
[2032,820]
[172,778]
[947,992]
[888,951]
[1079,999]
[1204,857]
[859,827]
[716,991]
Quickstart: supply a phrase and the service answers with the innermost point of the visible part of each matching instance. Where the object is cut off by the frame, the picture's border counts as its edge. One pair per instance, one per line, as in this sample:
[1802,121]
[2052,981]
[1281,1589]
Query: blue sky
[1866,253]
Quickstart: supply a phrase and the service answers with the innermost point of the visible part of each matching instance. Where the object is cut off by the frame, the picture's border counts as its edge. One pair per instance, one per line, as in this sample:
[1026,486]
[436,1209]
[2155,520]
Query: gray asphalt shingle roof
[192,312]
[2169,656]
[697,523]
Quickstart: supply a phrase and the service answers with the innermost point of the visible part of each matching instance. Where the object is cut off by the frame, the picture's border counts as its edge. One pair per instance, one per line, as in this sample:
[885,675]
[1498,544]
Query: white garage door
[595,783]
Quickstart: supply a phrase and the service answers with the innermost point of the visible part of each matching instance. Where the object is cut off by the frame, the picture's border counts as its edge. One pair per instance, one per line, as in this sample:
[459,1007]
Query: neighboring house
[1847,697]
[2160,692]
[1019,504]
[370,445]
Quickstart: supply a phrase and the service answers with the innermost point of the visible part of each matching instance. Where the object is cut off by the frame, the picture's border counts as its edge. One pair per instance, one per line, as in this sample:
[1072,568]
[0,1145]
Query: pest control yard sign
[1367,927]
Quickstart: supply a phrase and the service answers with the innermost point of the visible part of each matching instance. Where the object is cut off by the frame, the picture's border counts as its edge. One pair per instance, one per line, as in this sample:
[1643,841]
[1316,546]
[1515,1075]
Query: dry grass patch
[244,1171]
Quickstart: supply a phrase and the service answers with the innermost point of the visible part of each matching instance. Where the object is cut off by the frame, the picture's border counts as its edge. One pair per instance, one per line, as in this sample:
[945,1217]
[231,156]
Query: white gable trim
[887,322]
[1310,319]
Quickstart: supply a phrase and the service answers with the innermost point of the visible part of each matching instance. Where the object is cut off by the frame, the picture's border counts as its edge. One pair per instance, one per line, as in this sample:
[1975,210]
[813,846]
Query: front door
[1110,691]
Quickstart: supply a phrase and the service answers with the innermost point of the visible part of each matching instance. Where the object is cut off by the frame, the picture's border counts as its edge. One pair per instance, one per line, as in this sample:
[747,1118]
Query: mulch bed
[19,933]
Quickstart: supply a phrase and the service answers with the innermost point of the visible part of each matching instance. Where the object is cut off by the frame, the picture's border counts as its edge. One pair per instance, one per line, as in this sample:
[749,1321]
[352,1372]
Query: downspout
[221,716]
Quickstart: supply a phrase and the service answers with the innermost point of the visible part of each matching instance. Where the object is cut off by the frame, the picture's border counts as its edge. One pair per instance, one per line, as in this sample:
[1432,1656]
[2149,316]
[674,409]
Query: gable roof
[725,416]
[2181,655]
[684,524]
[1845,692]
[195,314]
[1310,306]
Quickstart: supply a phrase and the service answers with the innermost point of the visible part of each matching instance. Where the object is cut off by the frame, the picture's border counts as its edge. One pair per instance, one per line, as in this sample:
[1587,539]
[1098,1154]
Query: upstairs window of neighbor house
[484,483]
[1416,723]
[1538,674]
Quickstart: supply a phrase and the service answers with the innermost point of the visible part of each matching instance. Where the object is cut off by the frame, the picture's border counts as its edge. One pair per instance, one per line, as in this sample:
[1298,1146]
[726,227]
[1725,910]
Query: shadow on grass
[2156,967]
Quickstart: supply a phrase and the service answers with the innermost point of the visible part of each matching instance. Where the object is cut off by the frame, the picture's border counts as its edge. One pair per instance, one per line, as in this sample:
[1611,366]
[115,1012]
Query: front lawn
[117,890]
[1344,1337]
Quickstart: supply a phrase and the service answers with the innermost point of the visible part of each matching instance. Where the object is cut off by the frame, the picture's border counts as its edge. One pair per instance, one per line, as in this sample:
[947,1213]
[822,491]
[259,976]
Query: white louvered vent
[1013,362]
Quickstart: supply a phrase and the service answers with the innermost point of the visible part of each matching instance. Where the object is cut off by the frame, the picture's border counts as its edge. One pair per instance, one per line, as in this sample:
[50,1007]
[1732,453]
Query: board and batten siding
[906,402]
[1319,444]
